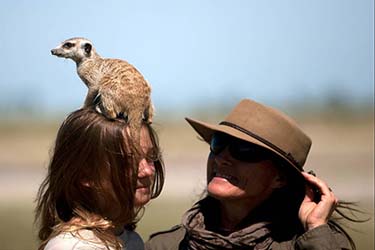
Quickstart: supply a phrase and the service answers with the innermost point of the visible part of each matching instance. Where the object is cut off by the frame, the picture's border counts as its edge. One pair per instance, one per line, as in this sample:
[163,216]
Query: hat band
[276,148]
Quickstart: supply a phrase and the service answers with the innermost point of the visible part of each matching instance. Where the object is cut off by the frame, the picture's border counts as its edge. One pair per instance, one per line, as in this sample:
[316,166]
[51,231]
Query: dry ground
[342,154]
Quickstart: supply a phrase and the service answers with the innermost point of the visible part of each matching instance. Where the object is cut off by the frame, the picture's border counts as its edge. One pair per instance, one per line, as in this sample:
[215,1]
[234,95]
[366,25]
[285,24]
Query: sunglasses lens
[245,151]
[239,149]
[219,142]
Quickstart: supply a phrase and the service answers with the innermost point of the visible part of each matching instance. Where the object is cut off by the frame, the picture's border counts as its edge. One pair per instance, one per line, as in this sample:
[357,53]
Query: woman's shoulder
[321,237]
[168,239]
[324,236]
[132,240]
[80,240]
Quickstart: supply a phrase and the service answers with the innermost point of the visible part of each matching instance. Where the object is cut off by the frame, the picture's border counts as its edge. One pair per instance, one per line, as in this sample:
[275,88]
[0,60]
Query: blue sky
[193,51]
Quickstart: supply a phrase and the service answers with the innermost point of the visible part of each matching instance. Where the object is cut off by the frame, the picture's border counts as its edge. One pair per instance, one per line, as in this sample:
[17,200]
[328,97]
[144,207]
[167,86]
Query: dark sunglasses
[239,149]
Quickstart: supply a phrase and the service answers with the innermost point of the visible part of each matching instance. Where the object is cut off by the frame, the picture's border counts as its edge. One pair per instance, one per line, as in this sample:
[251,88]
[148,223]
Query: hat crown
[272,128]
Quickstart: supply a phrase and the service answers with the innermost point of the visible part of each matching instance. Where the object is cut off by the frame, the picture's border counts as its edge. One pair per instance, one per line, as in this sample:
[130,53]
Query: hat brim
[206,130]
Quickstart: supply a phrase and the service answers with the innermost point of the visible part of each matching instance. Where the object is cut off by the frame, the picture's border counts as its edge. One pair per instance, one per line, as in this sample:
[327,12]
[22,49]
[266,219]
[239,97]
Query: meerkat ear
[87,48]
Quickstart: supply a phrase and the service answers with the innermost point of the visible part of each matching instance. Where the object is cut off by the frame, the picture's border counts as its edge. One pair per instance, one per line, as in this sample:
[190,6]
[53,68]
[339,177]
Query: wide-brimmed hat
[269,128]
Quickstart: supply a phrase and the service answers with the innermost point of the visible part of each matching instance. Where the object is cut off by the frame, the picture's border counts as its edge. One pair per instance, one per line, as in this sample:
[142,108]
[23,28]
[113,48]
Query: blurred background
[312,59]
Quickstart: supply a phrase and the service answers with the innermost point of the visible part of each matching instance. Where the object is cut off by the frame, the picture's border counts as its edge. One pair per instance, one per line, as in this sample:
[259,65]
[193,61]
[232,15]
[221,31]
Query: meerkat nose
[53,52]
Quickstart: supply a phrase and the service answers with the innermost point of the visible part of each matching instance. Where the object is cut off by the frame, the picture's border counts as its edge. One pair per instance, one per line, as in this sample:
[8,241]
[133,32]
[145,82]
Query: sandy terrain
[342,154]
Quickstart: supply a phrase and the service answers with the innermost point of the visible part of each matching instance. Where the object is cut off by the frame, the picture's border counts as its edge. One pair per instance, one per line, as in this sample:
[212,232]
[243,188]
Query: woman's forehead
[145,139]
[146,142]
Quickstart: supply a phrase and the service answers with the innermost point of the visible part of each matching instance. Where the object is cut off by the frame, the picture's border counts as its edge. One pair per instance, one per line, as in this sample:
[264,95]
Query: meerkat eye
[68,45]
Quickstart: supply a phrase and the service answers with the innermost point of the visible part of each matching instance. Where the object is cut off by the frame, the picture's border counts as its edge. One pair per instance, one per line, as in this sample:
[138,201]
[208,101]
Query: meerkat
[115,87]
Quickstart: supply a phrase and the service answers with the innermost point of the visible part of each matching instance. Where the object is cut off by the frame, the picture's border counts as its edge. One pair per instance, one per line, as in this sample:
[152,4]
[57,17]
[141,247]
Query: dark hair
[157,158]
[93,167]
[282,207]
[285,202]
[158,162]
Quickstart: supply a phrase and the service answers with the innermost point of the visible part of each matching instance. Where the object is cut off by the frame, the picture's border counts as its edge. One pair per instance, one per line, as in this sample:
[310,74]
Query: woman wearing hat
[258,196]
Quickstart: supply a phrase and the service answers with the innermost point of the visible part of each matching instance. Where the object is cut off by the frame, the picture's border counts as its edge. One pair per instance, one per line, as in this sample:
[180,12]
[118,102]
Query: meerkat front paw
[107,107]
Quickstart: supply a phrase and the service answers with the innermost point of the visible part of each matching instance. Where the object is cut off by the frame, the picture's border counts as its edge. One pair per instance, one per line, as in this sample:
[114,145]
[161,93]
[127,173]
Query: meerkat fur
[119,86]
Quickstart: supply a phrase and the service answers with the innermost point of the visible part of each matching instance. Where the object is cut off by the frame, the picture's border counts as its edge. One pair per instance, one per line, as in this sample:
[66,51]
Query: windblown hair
[93,168]
[282,207]
[285,203]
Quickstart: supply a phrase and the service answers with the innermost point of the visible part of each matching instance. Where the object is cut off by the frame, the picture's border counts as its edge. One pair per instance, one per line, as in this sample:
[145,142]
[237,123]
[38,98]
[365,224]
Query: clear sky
[192,51]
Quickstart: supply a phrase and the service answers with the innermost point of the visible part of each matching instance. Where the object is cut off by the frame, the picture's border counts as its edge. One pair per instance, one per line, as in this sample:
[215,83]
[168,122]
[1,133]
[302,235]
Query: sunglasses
[239,149]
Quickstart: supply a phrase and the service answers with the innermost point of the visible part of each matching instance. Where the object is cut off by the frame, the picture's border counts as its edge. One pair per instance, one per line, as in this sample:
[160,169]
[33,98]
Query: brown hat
[264,126]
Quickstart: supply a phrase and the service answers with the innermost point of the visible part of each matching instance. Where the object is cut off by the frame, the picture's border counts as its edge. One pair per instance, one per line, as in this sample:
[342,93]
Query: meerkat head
[77,49]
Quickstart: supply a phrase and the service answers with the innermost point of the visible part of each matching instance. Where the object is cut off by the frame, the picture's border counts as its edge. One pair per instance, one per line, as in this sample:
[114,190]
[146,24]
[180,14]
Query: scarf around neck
[255,236]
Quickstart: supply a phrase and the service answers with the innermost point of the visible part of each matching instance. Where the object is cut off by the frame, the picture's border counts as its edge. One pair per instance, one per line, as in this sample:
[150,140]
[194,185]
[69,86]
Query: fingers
[325,192]
[317,207]
[310,195]
[316,182]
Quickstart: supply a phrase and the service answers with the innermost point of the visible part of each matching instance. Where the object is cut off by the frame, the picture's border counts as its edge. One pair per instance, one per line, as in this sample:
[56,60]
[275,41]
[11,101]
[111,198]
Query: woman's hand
[312,213]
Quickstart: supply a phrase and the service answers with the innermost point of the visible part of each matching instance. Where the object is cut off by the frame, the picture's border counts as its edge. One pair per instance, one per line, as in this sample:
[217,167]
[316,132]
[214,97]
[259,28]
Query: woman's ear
[279,181]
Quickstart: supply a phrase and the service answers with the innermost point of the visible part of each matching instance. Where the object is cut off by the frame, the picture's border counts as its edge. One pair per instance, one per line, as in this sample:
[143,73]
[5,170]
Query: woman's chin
[142,196]
[221,188]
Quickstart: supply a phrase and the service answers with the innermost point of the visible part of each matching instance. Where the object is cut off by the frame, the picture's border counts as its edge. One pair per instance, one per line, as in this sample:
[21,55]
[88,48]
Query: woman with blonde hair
[98,180]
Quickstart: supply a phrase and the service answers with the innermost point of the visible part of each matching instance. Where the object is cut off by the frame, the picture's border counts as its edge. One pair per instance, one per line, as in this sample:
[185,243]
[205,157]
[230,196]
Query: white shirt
[86,240]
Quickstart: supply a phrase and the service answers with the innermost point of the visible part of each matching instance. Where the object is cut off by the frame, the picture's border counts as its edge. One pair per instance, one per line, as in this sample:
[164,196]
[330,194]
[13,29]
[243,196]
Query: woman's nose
[145,168]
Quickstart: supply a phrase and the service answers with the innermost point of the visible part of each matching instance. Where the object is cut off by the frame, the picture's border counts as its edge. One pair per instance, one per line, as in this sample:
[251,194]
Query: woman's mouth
[143,186]
[143,183]
[225,176]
